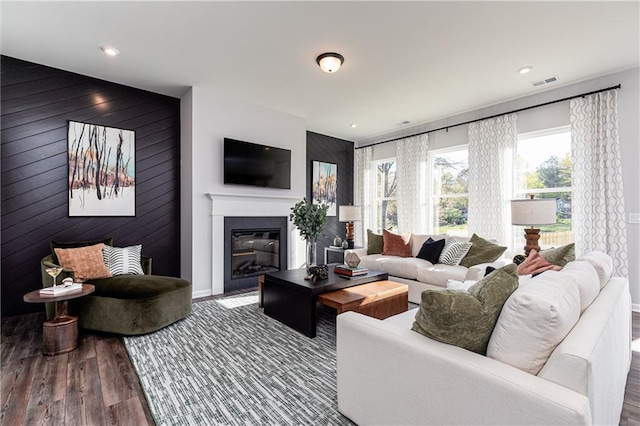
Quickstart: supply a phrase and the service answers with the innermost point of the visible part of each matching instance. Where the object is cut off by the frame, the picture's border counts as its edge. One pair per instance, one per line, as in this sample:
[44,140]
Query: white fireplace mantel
[225,204]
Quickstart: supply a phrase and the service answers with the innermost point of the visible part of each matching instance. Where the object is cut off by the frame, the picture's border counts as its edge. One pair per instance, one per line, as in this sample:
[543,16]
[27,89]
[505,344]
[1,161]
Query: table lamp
[532,212]
[349,214]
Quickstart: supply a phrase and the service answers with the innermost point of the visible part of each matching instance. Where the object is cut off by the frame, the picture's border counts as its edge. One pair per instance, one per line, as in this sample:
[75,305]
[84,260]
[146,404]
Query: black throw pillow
[430,250]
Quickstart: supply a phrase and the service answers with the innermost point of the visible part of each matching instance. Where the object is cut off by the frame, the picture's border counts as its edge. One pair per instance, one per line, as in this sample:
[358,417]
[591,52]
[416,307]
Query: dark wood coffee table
[291,299]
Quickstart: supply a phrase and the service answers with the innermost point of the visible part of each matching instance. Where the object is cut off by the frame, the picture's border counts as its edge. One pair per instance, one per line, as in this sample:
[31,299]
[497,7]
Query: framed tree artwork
[324,185]
[102,180]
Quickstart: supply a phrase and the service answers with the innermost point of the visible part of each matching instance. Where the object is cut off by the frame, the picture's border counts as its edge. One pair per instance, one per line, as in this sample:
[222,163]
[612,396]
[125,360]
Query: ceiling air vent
[544,81]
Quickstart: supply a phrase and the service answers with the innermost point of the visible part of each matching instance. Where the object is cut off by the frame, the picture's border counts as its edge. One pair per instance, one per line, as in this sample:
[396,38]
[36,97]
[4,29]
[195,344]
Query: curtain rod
[495,115]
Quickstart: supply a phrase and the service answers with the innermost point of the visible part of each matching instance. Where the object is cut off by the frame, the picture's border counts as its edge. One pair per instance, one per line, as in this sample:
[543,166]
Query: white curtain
[492,145]
[597,207]
[411,168]
[363,196]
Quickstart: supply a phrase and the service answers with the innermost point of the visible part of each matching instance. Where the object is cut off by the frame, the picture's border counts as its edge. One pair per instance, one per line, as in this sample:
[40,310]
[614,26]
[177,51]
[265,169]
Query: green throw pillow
[466,319]
[482,251]
[375,243]
[560,256]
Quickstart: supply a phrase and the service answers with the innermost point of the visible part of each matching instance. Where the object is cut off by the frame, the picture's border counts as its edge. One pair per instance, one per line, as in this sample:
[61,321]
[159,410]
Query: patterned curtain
[411,171]
[492,145]
[597,207]
[363,196]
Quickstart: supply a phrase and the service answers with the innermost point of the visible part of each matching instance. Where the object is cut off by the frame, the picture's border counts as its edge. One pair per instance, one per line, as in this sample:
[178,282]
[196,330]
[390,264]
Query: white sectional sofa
[389,374]
[420,274]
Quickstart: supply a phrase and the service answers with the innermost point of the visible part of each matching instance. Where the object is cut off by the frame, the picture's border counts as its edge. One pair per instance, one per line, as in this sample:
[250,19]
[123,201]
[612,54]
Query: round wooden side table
[60,334]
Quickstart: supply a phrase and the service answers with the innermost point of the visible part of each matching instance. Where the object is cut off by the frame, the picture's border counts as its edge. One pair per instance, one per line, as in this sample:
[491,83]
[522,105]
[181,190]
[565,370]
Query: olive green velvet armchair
[126,304]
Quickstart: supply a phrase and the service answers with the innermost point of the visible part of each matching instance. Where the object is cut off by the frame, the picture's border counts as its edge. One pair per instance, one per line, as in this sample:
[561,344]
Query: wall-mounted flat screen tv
[252,164]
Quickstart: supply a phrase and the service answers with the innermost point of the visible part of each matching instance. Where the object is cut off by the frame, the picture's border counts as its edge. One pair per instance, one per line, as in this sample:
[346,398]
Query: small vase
[337,241]
[311,253]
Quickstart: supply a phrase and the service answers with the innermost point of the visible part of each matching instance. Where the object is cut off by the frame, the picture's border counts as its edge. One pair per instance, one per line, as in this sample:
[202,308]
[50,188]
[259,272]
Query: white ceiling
[415,61]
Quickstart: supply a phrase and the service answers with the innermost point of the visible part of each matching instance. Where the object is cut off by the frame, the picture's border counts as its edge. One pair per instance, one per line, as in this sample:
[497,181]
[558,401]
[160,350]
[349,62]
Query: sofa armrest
[391,375]
[477,272]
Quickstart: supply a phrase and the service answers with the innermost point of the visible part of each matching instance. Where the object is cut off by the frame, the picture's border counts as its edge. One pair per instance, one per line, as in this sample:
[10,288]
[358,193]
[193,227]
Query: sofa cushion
[86,262]
[430,250]
[466,319]
[482,251]
[123,260]
[603,264]
[137,286]
[373,261]
[454,251]
[535,264]
[439,274]
[533,321]
[375,242]
[560,256]
[404,267]
[396,245]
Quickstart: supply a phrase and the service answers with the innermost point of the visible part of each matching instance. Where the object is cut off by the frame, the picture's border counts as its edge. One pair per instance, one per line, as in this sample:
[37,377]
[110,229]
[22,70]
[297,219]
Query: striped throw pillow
[124,260]
[453,252]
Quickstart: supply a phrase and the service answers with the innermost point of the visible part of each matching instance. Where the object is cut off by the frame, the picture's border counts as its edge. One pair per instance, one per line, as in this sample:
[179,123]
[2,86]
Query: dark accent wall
[37,102]
[337,151]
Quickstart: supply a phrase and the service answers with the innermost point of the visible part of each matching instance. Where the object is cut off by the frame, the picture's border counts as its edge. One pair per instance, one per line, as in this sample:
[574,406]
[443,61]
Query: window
[448,201]
[386,208]
[543,168]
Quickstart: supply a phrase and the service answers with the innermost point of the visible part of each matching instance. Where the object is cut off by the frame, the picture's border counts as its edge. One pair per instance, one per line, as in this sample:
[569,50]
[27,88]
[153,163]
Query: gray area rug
[229,364]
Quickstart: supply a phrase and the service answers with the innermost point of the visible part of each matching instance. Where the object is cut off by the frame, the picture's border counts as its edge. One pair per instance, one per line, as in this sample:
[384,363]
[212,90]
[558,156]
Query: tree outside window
[385,188]
[543,168]
[449,191]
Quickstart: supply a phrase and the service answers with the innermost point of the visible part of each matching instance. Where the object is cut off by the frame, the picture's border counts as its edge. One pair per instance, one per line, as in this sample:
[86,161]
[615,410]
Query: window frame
[520,193]
[377,201]
[538,134]
[433,197]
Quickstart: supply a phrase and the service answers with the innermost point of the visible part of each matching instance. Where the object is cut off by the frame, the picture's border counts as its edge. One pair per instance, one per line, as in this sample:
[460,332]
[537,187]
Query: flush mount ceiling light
[330,62]
[525,70]
[111,51]
[353,125]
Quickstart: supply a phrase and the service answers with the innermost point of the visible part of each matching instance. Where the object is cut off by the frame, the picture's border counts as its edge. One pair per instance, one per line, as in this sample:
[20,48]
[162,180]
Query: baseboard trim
[201,293]
[635,307]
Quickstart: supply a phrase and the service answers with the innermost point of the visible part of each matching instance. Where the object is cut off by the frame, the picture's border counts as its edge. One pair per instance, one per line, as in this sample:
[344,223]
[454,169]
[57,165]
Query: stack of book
[60,289]
[350,272]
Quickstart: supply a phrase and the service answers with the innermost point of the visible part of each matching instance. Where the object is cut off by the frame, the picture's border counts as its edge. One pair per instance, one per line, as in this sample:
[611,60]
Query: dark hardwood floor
[92,385]
[97,385]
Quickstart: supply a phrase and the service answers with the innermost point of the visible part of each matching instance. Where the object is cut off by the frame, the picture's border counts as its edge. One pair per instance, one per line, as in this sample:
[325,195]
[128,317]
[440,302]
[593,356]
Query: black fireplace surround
[253,246]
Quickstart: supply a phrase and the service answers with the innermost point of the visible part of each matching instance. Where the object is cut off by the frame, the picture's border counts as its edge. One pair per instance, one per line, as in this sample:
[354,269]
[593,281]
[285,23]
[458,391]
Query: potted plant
[310,219]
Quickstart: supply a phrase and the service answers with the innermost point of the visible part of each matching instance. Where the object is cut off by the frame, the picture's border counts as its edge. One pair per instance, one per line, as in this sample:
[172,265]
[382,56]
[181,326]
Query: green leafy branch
[309,218]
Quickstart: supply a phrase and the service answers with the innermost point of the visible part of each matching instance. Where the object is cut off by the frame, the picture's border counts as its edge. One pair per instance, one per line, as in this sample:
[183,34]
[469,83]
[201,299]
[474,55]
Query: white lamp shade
[540,211]
[349,213]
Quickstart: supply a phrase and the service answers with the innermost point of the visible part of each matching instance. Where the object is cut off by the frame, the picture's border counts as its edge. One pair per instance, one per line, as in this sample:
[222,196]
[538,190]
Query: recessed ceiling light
[353,125]
[525,70]
[111,51]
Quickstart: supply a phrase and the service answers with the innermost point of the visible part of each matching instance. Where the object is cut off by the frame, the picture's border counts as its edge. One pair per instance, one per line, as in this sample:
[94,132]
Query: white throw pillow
[533,321]
[460,285]
[124,260]
[453,252]
[603,264]
[584,275]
